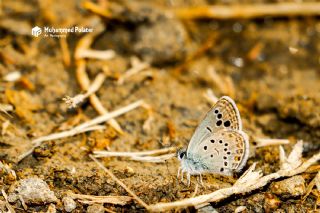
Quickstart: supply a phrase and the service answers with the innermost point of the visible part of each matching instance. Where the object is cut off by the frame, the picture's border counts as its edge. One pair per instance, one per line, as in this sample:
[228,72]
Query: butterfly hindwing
[223,115]
[222,152]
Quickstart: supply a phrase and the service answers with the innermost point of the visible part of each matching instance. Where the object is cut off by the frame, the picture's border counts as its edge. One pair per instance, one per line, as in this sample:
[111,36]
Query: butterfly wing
[223,115]
[222,152]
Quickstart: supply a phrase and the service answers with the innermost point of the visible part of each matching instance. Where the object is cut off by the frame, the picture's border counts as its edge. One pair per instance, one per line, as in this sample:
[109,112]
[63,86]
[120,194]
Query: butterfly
[218,145]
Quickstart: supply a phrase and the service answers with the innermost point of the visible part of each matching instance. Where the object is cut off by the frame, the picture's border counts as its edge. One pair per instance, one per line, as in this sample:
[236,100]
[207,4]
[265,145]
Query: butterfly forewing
[222,152]
[223,115]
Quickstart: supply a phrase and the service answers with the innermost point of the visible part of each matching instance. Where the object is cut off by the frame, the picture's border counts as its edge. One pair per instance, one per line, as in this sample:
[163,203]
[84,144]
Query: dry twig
[89,199]
[210,96]
[72,102]
[242,11]
[84,127]
[146,156]
[136,67]
[315,182]
[96,54]
[141,202]
[224,84]
[9,207]
[66,58]
[261,142]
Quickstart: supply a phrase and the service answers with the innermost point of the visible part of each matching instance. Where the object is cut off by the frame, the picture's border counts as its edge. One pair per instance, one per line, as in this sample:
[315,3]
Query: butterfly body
[218,145]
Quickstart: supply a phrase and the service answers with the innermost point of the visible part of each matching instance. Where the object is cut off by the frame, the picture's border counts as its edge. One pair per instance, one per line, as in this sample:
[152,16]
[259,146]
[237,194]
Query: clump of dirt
[268,66]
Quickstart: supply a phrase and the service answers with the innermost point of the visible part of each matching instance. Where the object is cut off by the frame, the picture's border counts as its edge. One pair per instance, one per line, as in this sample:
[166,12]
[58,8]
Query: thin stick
[99,154]
[141,202]
[96,54]
[154,159]
[65,134]
[9,207]
[65,51]
[236,189]
[261,142]
[82,76]
[89,199]
[250,11]
[72,102]
[210,96]
[37,142]
[84,127]
[137,66]
[108,116]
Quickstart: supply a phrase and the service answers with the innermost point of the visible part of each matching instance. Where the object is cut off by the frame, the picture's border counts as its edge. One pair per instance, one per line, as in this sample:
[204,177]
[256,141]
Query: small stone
[271,202]
[69,204]
[207,209]
[291,187]
[240,209]
[95,208]
[52,208]
[32,191]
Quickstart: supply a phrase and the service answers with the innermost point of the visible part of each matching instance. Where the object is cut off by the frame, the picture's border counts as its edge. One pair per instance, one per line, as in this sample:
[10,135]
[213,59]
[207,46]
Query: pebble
[271,202]
[51,209]
[291,187]
[32,191]
[95,208]
[69,204]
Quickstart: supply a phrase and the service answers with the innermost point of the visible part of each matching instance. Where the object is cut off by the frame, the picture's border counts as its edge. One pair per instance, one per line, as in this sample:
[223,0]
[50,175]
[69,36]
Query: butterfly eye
[181,155]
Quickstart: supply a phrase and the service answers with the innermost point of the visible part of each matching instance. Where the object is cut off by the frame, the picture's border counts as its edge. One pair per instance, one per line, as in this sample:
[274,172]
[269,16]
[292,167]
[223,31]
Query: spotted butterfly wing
[222,152]
[223,115]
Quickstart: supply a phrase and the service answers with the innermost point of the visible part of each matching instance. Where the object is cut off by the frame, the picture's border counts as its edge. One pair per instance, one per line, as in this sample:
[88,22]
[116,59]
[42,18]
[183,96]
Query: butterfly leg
[188,178]
[179,171]
[200,178]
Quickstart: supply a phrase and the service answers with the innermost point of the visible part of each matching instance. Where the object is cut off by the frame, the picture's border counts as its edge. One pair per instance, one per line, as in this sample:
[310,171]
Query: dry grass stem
[97,9]
[154,159]
[37,142]
[83,78]
[223,84]
[12,76]
[66,56]
[24,205]
[250,11]
[4,127]
[9,207]
[294,159]
[84,127]
[141,202]
[315,182]
[136,67]
[65,134]
[210,96]
[99,154]
[147,124]
[249,181]
[96,54]
[108,116]
[146,156]
[73,102]
[89,199]
[261,142]
[6,168]
[6,108]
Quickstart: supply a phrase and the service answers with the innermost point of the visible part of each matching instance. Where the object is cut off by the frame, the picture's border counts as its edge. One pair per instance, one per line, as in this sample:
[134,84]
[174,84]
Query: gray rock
[69,204]
[95,208]
[32,191]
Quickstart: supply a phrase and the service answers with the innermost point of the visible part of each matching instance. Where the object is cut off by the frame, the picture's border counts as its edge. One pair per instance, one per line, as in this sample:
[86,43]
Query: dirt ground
[269,66]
